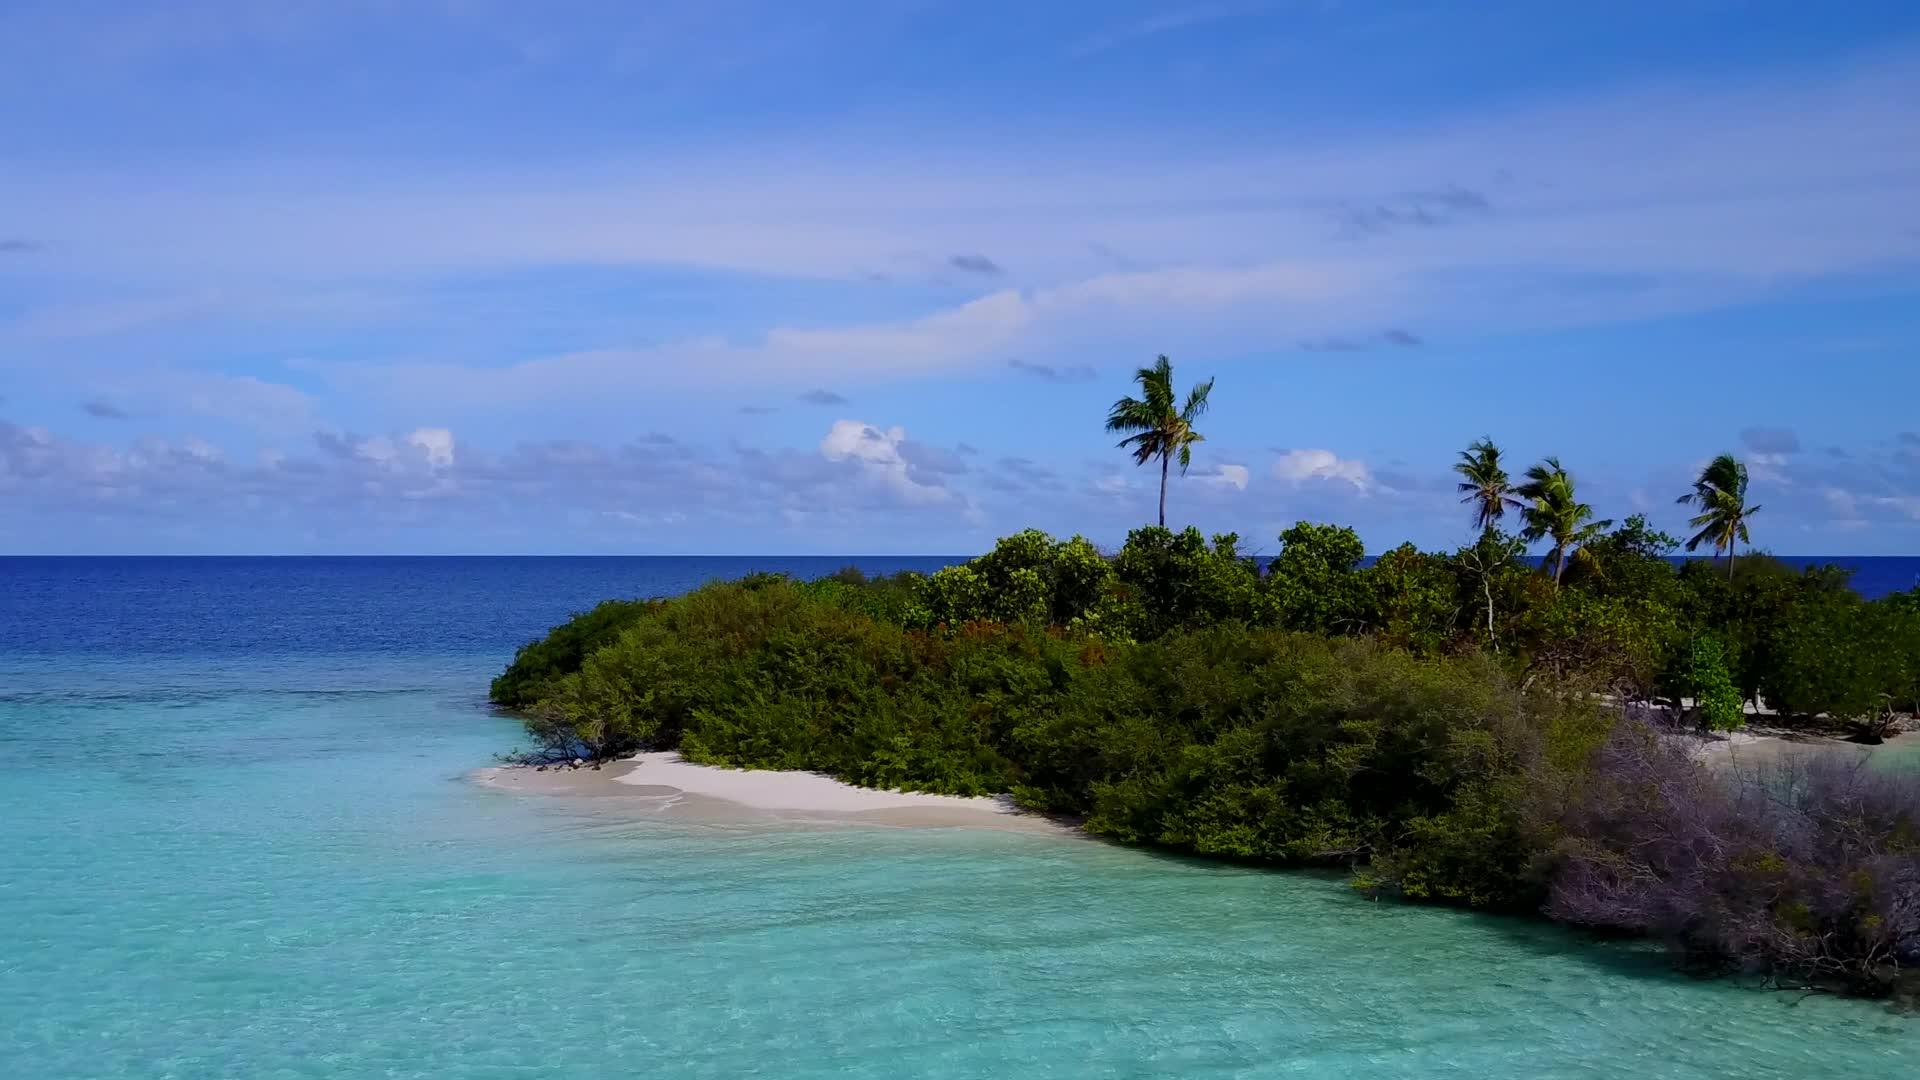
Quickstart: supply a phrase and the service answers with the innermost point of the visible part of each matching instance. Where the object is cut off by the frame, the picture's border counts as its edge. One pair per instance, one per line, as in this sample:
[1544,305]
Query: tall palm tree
[1720,494]
[1157,428]
[1484,484]
[1552,511]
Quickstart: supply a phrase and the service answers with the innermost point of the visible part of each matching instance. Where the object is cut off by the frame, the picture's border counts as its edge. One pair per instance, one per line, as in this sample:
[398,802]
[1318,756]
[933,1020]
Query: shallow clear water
[234,842]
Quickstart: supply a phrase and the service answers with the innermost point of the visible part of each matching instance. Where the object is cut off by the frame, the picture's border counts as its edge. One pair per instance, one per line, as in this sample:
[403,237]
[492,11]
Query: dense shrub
[1715,701]
[539,663]
[1167,581]
[1831,656]
[893,599]
[1027,577]
[1749,613]
[1313,583]
[1413,600]
[1254,744]
[1627,643]
[1806,870]
[1901,639]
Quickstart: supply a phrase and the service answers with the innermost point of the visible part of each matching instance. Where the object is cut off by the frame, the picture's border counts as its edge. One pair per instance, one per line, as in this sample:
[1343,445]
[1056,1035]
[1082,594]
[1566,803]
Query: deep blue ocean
[237,841]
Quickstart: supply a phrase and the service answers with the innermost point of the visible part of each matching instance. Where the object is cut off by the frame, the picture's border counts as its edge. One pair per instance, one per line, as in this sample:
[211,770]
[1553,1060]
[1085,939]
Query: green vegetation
[1211,737]
[1460,727]
[539,663]
[1715,700]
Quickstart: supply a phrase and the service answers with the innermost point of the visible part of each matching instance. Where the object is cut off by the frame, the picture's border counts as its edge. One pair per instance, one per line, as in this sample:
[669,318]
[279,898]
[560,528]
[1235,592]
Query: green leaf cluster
[1717,703]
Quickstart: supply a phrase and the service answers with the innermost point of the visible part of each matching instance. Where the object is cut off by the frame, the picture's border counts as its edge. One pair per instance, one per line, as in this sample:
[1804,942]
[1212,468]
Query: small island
[1551,738]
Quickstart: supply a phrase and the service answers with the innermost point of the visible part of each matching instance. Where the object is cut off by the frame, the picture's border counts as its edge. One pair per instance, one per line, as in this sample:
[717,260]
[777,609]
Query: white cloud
[1297,467]
[422,450]
[878,455]
[436,444]
[200,450]
[1225,477]
[860,480]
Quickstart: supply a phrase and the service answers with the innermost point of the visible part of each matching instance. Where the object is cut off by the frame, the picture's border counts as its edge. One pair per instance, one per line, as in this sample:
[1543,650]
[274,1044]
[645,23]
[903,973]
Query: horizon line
[746,555]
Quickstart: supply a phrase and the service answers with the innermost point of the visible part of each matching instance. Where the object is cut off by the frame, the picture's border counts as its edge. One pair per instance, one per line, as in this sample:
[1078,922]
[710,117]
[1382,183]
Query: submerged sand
[665,785]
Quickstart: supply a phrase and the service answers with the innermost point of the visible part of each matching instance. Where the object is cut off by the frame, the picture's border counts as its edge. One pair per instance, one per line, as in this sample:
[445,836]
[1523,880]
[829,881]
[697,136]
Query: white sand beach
[1750,749]
[664,784]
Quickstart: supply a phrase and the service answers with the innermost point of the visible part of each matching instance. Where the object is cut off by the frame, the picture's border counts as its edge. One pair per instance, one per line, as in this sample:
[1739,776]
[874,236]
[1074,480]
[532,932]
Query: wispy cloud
[1069,373]
[103,410]
[1396,338]
[1163,22]
[975,264]
[1221,246]
[1332,344]
[100,318]
[822,397]
[1017,474]
[1417,209]
[1752,209]
[1770,440]
[1878,487]
[16,246]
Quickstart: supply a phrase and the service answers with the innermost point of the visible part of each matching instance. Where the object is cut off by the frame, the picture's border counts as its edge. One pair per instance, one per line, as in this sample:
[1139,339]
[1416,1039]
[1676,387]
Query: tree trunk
[1731,544]
[1486,585]
[1163,489]
[1559,563]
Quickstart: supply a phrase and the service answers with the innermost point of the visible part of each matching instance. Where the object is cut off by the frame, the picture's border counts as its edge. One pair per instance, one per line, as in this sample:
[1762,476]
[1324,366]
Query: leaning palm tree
[1157,428]
[1720,494]
[1552,511]
[1484,484]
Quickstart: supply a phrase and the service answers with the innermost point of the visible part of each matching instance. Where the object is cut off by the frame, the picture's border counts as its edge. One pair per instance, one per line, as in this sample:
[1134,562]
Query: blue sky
[742,276]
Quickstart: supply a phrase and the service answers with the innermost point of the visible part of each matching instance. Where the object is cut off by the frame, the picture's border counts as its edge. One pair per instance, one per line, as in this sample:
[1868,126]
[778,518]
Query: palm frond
[1130,414]
[1196,406]
[1720,494]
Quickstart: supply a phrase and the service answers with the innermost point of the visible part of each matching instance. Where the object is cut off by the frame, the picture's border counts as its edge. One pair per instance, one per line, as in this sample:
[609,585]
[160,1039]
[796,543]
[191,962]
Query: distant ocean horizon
[1873,576]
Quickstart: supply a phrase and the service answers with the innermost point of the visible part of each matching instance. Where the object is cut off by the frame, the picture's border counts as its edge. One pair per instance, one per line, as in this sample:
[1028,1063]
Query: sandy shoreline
[1747,749]
[664,785]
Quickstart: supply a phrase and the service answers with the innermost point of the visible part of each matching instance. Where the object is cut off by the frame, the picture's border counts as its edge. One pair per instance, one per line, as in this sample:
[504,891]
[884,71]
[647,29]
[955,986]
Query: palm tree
[1552,511]
[1720,493]
[1484,484]
[1157,429]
